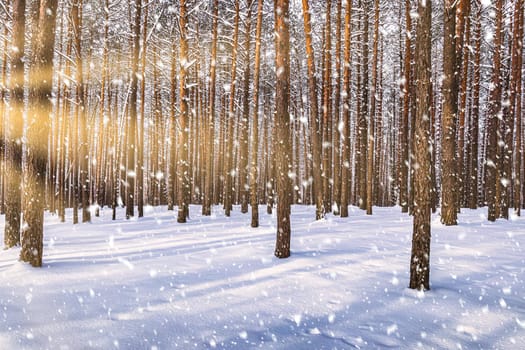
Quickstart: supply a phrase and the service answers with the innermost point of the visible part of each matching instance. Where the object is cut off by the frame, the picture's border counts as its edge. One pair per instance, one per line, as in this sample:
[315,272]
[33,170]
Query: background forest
[146,103]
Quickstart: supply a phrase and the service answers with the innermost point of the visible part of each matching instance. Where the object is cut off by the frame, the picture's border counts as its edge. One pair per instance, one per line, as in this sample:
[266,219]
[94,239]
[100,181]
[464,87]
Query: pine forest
[278,116]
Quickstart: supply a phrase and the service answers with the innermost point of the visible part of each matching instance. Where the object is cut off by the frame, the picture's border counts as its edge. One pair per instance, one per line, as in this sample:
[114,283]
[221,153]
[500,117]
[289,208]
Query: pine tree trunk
[229,170]
[420,259]
[172,175]
[254,201]
[474,116]
[3,116]
[515,101]
[100,179]
[363,113]
[140,128]
[37,131]
[208,195]
[244,126]
[462,53]
[345,169]
[404,161]
[131,171]
[315,133]
[283,154]
[14,131]
[327,145]
[449,171]
[372,115]
[183,175]
[492,158]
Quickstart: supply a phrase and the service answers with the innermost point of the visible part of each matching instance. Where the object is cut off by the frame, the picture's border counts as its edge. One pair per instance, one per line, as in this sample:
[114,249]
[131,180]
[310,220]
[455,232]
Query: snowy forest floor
[151,283]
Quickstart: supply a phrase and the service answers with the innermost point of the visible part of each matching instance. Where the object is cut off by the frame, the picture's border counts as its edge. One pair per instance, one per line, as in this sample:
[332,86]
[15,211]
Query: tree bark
[14,131]
[492,158]
[345,169]
[244,126]
[131,171]
[140,129]
[206,206]
[515,101]
[420,259]
[37,132]
[183,175]
[337,101]
[474,116]
[282,128]
[372,116]
[255,119]
[230,171]
[403,143]
[449,185]
[314,114]
[327,145]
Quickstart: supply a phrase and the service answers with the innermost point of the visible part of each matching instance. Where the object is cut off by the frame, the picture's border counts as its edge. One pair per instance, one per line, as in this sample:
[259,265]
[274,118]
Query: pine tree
[254,200]
[315,133]
[282,128]
[14,132]
[420,259]
[183,175]
[449,171]
[37,132]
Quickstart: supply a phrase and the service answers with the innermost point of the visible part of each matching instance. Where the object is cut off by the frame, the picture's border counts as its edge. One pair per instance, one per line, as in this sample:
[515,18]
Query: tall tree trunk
[244,126]
[81,113]
[206,206]
[183,175]
[345,176]
[228,191]
[131,171]
[363,123]
[372,117]
[327,111]
[515,100]
[492,159]
[101,180]
[449,172]
[172,175]
[140,129]
[254,201]
[474,116]
[14,132]
[337,101]
[462,54]
[37,131]
[3,115]
[404,161]
[420,259]
[315,133]
[283,154]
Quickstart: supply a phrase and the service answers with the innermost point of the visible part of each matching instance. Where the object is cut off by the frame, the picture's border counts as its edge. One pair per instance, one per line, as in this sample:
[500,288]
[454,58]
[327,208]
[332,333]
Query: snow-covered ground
[214,283]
